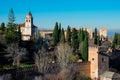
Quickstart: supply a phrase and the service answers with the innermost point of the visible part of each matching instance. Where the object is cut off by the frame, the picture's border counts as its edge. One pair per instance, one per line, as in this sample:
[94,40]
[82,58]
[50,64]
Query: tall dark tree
[95,36]
[62,36]
[115,40]
[18,35]
[2,27]
[13,33]
[59,32]
[11,19]
[80,35]
[74,42]
[118,39]
[68,35]
[55,34]
[98,40]
[85,47]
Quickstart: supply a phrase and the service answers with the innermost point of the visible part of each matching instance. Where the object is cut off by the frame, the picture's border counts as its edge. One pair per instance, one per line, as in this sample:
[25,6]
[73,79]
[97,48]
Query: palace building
[28,29]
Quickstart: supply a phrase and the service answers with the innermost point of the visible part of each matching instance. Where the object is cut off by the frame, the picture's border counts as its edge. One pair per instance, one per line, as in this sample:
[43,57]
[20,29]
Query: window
[29,20]
[92,59]
[102,59]
[26,20]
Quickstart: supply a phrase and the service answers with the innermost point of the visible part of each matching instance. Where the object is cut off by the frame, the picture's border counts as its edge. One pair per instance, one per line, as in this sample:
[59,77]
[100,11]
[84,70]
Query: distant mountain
[111,32]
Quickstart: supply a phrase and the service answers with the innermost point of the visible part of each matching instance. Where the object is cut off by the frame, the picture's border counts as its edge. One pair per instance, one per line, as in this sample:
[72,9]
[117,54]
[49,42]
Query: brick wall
[83,67]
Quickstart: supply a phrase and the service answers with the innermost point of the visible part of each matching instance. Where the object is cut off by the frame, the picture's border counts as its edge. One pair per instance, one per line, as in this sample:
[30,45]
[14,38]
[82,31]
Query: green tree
[98,40]
[2,27]
[18,35]
[11,19]
[74,42]
[68,35]
[118,41]
[80,35]
[59,32]
[115,40]
[13,33]
[55,34]
[62,36]
[85,48]
[95,36]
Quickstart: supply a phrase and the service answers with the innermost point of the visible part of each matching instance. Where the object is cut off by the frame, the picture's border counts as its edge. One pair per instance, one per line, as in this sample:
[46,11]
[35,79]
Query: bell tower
[29,20]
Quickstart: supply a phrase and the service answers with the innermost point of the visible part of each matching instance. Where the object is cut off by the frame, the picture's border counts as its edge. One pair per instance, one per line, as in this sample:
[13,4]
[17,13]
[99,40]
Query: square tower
[103,32]
[93,58]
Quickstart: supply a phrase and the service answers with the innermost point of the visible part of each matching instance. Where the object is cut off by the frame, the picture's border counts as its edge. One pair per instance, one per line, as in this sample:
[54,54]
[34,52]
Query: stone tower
[29,23]
[29,20]
[27,28]
[103,32]
[93,58]
[89,30]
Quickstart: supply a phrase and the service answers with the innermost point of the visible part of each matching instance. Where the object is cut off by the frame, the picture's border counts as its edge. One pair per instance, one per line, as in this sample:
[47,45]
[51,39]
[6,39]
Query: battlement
[93,47]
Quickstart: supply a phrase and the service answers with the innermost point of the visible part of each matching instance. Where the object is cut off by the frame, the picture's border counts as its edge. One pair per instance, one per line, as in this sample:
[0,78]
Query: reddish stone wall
[84,67]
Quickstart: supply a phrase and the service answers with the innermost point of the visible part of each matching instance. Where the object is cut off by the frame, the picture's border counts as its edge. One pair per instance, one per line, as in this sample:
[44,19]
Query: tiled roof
[22,25]
[46,30]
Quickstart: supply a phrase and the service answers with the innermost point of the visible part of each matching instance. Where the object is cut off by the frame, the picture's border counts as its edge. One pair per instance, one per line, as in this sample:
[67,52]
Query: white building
[28,30]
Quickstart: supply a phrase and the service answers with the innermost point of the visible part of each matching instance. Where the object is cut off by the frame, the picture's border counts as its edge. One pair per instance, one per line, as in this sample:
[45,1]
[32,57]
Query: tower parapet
[103,32]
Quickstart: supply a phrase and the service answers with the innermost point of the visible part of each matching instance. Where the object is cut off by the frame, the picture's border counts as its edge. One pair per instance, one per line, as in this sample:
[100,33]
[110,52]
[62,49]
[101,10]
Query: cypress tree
[2,27]
[68,35]
[80,36]
[62,36]
[98,41]
[74,42]
[11,19]
[55,34]
[59,32]
[95,36]
[114,40]
[85,48]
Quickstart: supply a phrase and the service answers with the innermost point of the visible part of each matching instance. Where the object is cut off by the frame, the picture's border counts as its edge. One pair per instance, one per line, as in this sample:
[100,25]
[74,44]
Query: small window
[102,59]
[92,59]
[26,20]
[29,20]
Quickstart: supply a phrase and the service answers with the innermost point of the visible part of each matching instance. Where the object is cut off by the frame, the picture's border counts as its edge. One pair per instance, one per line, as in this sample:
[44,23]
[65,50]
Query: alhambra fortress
[97,66]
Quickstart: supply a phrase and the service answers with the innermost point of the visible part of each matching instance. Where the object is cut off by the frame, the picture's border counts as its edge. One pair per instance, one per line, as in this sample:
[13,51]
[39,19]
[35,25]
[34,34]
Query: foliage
[55,34]
[16,53]
[81,76]
[62,39]
[95,36]
[85,48]
[116,41]
[42,60]
[13,33]
[74,42]
[75,58]
[81,35]
[59,32]
[64,54]
[98,41]
[12,37]
[2,27]
[68,35]
[11,17]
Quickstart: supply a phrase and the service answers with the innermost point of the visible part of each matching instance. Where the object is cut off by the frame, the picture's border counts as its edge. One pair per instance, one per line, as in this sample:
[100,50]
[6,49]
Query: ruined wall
[84,67]
[103,64]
